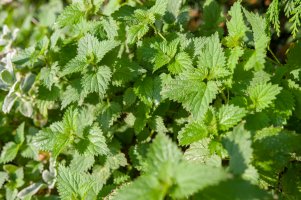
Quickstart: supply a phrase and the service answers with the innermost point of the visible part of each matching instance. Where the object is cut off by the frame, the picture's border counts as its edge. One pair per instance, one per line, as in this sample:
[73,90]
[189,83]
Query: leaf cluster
[124,100]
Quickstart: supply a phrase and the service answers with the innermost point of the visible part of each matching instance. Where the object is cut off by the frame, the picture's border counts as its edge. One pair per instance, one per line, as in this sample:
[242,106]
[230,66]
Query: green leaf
[162,152]
[3,178]
[48,96]
[92,49]
[70,121]
[97,81]
[258,24]
[49,76]
[238,145]
[212,59]
[200,153]
[284,103]
[86,115]
[89,51]
[109,114]
[192,132]
[81,163]
[19,138]
[257,121]
[52,139]
[9,101]
[191,92]
[159,8]
[181,63]
[174,7]
[11,194]
[83,27]
[141,117]
[16,172]
[164,160]
[129,97]
[73,185]
[142,21]
[190,178]
[9,152]
[293,56]
[111,27]
[236,188]
[229,116]
[198,44]
[148,90]
[120,177]
[157,124]
[75,65]
[26,57]
[137,156]
[125,71]
[27,82]
[71,15]
[71,94]
[291,182]
[26,108]
[261,40]
[164,53]
[136,32]
[236,26]
[262,95]
[7,77]
[116,160]
[271,160]
[235,54]
[260,77]
[160,60]
[157,99]
[59,135]
[212,55]
[146,186]
[29,151]
[97,142]
[212,16]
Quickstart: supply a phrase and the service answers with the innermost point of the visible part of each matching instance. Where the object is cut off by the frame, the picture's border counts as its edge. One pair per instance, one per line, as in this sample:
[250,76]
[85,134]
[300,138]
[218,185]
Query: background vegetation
[150,99]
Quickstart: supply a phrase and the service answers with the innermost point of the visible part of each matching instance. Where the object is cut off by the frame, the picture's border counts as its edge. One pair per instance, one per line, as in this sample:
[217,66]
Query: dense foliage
[150,99]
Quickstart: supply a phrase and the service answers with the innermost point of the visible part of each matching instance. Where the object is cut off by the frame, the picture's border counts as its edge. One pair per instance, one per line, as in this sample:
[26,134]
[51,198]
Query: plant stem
[274,56]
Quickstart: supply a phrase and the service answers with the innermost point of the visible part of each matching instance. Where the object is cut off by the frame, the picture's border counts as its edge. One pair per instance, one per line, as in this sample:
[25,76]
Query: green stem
[224,97]
[165,188]
[158,32]
[274,56]
[139,2]
[161,36]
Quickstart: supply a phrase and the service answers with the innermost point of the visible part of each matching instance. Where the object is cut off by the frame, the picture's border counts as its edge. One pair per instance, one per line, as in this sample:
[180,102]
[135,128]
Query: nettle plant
[122,101]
